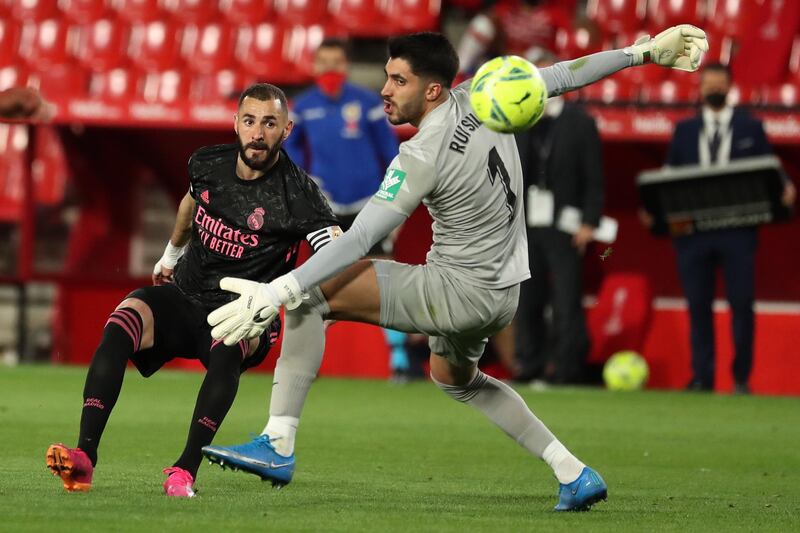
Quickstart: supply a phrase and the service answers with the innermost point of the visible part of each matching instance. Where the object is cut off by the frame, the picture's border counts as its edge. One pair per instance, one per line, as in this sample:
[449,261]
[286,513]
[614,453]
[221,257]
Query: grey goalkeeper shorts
[458,317]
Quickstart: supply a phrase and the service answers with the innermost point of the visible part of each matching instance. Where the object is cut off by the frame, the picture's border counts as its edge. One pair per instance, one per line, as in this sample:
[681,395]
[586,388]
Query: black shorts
[181,331]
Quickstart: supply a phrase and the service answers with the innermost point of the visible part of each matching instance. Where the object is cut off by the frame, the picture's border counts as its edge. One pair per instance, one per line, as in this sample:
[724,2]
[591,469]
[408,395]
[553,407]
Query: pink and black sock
[121,339]
[213,401]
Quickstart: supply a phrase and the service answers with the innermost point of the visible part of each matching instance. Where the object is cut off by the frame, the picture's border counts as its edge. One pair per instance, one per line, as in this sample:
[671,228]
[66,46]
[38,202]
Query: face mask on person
[716,99]
[330,83]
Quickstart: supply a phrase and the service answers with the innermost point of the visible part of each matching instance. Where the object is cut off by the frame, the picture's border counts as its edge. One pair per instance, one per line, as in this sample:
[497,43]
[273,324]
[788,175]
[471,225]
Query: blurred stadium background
[87,201]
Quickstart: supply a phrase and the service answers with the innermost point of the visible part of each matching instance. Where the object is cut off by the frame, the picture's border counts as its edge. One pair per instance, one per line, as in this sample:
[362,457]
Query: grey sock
[505,408]
[301,355]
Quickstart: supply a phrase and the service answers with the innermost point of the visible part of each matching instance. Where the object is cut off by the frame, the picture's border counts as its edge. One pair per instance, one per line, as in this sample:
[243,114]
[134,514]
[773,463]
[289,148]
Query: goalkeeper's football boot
[257,457]
[179,483]
[72,465]
[582,493]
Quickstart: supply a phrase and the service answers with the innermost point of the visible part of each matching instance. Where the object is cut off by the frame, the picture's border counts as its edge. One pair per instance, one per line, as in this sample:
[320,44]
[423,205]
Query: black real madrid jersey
[247,228]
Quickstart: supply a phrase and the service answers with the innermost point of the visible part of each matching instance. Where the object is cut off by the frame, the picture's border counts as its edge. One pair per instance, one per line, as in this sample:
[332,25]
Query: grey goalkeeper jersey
[470,179]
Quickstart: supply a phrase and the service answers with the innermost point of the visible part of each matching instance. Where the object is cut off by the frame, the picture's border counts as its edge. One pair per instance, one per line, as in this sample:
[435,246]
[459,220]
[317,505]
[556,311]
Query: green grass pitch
[378,457]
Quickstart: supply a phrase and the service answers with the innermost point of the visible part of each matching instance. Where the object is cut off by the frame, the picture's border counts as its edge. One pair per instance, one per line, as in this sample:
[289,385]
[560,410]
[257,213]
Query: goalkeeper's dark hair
[264,92]
[430,55]
[718,67]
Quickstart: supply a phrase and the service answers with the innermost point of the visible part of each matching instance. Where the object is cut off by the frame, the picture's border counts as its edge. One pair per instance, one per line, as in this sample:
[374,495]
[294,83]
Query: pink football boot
[179,483]
[73,465]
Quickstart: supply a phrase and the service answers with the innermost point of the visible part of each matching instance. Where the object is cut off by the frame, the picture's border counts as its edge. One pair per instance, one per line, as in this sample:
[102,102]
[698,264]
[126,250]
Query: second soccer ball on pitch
[508,94]
[625,371]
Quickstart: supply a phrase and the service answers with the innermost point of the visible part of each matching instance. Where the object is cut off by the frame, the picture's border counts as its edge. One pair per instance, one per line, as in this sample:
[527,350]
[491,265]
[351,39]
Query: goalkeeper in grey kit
[469,287]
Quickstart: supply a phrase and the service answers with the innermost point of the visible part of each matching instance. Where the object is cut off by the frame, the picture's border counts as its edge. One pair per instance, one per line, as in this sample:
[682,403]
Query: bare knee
[147,320]
[447,373]
[354,294]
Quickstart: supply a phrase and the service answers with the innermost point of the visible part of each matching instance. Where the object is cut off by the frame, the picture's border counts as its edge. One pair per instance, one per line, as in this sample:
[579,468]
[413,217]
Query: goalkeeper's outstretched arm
[571,75]
[679,47]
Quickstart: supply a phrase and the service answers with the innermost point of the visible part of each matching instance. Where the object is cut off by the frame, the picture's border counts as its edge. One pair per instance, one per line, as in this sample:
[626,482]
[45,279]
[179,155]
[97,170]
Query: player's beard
[406,112]
[271,152]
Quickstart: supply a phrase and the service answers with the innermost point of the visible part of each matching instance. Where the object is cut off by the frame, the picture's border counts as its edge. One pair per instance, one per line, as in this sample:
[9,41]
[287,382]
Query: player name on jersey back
[463,132]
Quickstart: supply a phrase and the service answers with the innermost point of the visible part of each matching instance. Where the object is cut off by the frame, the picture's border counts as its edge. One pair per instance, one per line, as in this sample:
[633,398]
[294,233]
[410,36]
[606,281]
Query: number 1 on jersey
[495,167]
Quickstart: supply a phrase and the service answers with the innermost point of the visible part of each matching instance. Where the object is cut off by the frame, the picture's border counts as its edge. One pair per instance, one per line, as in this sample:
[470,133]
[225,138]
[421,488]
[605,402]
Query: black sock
[213,402]
[121,338]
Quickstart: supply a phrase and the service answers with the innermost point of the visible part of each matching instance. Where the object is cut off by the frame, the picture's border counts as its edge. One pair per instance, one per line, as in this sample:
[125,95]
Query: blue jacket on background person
[344,142]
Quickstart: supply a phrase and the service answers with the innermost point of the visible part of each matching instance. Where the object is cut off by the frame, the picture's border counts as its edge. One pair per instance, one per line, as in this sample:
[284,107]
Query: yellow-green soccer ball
[625,371]
[508,94]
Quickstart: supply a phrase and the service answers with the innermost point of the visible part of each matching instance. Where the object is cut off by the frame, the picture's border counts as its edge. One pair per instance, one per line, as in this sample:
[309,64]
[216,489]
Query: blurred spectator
[717,135]
[525,28]
[341,136]
[561,166]
[342,139]
[23,103]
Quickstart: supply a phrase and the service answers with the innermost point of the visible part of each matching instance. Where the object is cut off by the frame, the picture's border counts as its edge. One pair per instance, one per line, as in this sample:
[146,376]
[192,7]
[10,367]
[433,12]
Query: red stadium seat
[299,45]
[154,46]
[772,27]
[114,84]
[662,14]
[744,94]
[59,82]
[786,94]
[720,48]
[625,38]
[50,169]
[794,61]
[192,11]
[677,90]
[85,11]
[621,318]
[246,11]
[278,55]
[33,10]
[218,86]
[731,17]
[643,74]
[9,41]
[164,87]
[615,16]
[304,12]
[13,143]
[577,42]
[405,16]
[12,76]
[48,42]
[611,91]
[102,44]
[208,48]
[139,11]
[258,49]
[361,18]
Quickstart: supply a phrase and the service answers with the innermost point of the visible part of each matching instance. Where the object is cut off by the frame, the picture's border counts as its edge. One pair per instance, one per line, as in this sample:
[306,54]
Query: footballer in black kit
[240,228]
[247,211]
[250,229]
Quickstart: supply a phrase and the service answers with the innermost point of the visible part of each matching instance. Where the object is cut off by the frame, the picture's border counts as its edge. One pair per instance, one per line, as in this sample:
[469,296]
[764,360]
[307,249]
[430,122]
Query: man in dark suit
[717,135]
[562,166]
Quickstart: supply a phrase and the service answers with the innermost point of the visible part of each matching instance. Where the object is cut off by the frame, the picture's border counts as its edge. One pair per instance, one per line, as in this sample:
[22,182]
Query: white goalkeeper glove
[254,310]
[162,271]
[679,47]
